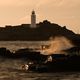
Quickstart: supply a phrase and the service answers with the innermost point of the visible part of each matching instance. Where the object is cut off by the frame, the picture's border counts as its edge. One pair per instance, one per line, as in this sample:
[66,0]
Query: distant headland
[43,31]
[37,32]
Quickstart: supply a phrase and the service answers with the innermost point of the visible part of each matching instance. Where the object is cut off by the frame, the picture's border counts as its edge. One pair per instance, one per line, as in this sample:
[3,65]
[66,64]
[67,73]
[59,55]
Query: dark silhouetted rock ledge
[26,53]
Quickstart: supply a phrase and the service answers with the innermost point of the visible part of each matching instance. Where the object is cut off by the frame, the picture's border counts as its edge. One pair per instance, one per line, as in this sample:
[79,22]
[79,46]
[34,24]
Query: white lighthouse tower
[33,19]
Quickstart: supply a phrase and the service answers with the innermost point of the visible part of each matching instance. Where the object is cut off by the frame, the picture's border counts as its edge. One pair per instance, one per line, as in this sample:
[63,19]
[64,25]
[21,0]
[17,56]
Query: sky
[62,12]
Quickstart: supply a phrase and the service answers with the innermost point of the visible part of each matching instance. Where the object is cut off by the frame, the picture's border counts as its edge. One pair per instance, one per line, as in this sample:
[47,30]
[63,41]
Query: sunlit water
[15,45]
[11,69]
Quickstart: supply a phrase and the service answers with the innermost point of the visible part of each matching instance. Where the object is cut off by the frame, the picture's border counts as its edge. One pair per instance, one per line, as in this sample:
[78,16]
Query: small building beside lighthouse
[33,19]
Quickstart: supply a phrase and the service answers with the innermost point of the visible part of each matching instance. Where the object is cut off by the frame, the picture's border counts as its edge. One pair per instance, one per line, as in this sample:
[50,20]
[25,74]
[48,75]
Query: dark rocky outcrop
[27,54]
[5,53]
[73,51]
[60,62]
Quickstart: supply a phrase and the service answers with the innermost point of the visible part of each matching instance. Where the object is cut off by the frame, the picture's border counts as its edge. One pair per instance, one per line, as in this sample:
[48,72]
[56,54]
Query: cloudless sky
[63,12]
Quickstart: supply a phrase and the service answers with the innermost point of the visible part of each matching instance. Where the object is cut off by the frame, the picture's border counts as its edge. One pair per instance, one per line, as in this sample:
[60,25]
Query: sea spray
[57,45]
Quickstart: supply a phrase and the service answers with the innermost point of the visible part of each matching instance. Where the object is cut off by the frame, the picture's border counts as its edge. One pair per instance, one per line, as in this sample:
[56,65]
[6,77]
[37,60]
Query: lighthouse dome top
[33,12]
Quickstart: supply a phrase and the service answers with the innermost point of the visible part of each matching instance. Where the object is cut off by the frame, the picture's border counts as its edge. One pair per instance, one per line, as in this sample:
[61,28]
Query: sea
[10,69]
[15,45]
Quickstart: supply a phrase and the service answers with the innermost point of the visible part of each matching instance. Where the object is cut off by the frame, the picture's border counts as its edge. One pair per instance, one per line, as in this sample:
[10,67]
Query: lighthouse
[33,19]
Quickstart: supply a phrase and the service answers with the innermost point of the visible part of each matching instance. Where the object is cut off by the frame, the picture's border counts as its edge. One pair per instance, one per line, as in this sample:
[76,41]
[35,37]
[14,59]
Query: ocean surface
[15,45]
[10,69]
